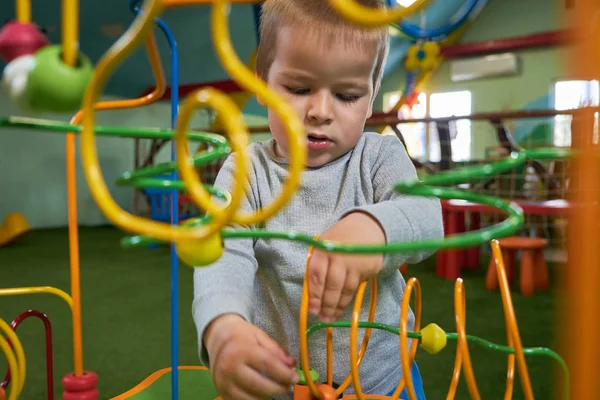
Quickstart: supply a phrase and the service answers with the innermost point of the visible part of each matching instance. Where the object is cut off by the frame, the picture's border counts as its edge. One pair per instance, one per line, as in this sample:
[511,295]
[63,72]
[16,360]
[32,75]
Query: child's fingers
[317,272]
[258,385]
[276,375]
[348,292]
[271,346]
[334,284]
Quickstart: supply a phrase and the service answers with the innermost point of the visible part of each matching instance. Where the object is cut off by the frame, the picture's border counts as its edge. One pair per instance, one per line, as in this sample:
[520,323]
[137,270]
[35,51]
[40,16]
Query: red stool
[403,269]
[533,268]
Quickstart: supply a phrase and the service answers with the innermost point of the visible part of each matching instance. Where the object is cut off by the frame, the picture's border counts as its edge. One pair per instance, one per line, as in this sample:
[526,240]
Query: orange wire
[159,90]
[511,320]
[329,333]
[366,337]
[510,370]
[455,376]
[463,347]
[407,360]
[354,340]
[302,327]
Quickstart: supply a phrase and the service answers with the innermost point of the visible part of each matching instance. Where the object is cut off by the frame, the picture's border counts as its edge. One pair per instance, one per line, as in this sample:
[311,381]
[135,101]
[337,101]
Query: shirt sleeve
[226,286]
[404,218]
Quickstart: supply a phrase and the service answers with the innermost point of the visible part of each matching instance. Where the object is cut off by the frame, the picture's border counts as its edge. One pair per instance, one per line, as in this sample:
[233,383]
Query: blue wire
[467,11]
[257,9]
[174,204]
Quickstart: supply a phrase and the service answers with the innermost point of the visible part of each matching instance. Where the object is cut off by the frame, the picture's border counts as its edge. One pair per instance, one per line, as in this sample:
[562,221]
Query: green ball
[53,86]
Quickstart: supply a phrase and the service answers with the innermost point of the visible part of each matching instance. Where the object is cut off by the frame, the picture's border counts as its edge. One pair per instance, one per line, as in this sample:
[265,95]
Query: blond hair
[318,17]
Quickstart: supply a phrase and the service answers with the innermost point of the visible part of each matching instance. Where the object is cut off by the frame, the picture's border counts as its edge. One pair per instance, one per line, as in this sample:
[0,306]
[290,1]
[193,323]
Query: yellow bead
[200,253]
[433,339]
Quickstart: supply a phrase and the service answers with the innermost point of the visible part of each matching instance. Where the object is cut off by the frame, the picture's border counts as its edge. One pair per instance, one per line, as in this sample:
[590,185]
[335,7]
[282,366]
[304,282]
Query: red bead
[80,387]
[2,393]
[18,39]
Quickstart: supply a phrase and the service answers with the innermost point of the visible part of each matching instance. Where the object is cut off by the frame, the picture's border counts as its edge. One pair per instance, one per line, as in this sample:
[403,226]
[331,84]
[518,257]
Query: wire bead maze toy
[199,242]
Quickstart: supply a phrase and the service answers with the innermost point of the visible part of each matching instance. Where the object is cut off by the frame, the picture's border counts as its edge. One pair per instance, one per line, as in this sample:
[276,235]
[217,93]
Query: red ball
[19,39]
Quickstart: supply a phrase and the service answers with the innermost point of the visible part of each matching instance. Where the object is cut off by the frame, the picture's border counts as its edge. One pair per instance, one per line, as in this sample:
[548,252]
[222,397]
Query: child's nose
[320,107]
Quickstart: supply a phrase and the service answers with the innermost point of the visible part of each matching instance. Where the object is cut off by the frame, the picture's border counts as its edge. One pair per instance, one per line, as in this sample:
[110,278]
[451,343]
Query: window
[440,105]
[414,134]
[450,104]
[569,95]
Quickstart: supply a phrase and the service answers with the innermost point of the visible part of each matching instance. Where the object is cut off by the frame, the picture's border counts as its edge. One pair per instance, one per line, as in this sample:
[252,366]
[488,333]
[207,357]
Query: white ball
[14,78]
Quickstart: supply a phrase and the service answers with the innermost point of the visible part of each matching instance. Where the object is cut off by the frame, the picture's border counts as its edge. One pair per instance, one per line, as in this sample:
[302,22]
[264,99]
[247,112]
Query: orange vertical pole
[159,90]
[70,42]
[74,252]
[580,311]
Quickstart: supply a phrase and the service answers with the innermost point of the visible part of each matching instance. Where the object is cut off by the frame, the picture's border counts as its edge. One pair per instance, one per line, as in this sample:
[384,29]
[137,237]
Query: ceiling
[103,21]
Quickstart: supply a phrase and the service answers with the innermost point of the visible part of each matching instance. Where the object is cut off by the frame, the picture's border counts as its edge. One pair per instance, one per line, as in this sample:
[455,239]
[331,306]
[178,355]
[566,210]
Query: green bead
[53,86]
[314,375]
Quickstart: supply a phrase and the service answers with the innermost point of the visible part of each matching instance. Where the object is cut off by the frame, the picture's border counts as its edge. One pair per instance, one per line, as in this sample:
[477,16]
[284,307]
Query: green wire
[144,178]
[528,351]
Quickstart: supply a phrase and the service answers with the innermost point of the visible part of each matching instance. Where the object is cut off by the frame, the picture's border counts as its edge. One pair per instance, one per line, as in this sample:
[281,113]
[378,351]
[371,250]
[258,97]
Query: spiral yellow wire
[250,82]
[231,117]
[114,57]
[16,359]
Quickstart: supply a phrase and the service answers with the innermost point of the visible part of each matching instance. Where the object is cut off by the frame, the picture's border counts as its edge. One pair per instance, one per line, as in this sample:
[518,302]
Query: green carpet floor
[126,317]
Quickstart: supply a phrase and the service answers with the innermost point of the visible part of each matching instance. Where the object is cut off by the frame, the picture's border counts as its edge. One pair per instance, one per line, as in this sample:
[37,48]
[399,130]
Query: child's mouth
[318,142]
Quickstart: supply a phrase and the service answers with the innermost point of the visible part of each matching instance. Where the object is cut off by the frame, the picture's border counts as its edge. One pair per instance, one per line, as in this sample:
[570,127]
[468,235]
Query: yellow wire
[12,366]
[239,138]
[17,366]
[248,79]
[137,32]
[38,290]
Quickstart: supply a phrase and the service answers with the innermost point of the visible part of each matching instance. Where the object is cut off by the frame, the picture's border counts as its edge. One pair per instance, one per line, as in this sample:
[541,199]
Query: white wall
[33,171]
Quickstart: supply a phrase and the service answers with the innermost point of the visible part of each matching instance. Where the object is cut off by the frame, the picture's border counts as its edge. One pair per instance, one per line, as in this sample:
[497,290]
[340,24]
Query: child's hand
[245,362]
[333,278]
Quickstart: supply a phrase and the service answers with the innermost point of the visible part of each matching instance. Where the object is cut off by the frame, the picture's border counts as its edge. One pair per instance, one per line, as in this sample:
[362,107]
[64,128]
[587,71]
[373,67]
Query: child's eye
[297,91]
[347,98]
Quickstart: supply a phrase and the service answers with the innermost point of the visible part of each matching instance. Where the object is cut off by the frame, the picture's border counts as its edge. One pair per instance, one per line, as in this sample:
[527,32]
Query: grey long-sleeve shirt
[261,279]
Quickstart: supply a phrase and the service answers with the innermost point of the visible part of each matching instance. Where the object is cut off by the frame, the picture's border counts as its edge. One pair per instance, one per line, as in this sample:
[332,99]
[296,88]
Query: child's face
[329,87]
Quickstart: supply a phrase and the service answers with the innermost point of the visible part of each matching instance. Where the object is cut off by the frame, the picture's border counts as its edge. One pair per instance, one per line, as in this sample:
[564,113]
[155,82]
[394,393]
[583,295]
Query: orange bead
[327,392]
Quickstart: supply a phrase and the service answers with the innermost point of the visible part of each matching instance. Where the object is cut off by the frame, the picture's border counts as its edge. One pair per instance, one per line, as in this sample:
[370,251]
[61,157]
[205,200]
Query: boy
[246,305]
